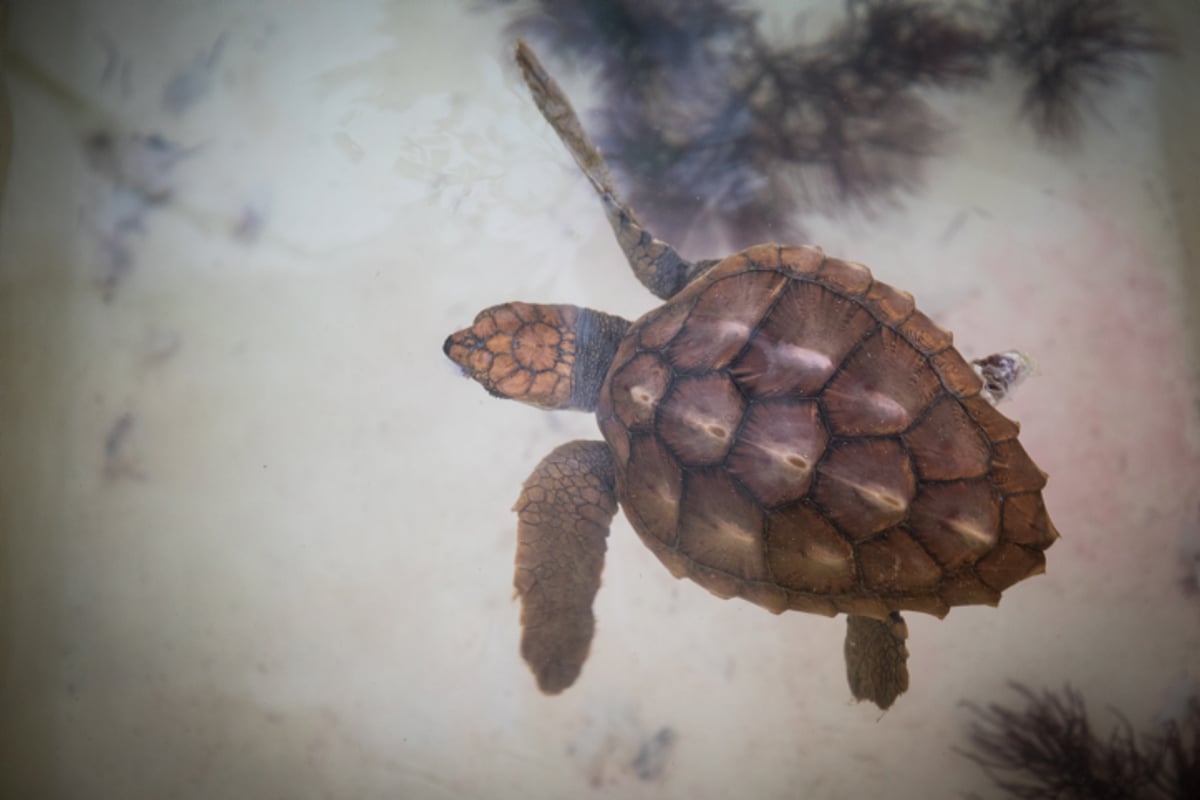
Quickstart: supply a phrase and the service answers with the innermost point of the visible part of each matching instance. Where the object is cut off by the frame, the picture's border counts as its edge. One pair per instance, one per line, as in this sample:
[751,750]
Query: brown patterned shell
[791,431]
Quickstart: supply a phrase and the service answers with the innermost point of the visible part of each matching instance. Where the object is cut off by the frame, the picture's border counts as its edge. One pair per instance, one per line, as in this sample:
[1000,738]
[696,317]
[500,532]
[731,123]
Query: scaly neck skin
[549,356]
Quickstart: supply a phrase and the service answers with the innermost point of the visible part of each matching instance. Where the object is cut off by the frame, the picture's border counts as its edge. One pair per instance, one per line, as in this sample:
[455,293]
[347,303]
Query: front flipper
[876,658]
[655,263]
[564,512]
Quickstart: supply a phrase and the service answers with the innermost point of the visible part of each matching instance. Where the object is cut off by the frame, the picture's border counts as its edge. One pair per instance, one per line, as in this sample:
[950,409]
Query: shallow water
[255,534]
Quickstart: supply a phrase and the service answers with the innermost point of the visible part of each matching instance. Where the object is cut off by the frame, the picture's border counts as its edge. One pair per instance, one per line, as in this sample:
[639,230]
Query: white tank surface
[255,529]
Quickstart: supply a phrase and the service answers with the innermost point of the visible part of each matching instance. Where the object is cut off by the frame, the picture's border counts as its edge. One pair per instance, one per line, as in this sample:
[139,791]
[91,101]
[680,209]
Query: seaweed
[1069,50]
[627,38]
[713,125]
[1049,749]
[903,43]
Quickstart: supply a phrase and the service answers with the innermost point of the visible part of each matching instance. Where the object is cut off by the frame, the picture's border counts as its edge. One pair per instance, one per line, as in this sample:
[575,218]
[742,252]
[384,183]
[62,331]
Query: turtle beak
[469,352]
[459,347]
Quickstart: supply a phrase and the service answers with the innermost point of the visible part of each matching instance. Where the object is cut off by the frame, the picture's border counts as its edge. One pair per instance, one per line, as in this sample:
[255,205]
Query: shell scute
[965,589]
[801,260]
[653,487]
[1014,471]
[763,256]
[881,389]
[617,437]
[925,334]
[862,605]
[699,418]
[1008,564]
[957,523]
[723,320]
[638,388]
[865,486]
[1025,521]
[947,444]
[894,563]
[807,553]
[770,596]
[721,528]
[959,378]
[889,305]
[777,450]
[925,603]
[802,343]
[997,427]
[848,276]
[663,325]
[811,604]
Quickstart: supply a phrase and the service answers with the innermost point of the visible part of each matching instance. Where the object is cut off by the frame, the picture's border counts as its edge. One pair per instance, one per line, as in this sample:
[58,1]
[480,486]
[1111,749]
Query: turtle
[783,428]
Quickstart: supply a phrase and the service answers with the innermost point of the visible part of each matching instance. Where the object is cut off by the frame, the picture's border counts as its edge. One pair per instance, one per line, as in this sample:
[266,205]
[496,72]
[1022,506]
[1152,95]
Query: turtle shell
[788,430]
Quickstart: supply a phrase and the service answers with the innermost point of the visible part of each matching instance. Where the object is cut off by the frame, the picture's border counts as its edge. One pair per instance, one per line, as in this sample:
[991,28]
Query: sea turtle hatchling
[784,429]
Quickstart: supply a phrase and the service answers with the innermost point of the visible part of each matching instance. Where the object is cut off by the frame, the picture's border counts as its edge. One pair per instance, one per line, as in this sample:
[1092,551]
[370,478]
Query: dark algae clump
[1050,750]
[724,135]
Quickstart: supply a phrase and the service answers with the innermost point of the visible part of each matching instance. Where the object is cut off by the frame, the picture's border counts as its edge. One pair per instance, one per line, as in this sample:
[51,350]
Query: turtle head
[549,356]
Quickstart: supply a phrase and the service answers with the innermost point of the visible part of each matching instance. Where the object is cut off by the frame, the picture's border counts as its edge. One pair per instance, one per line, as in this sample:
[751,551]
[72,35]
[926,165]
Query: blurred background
[255,536]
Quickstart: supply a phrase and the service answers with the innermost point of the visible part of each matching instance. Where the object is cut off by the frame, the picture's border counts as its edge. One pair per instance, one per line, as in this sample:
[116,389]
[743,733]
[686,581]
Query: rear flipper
[564,512]
[877,659]
[1002,372]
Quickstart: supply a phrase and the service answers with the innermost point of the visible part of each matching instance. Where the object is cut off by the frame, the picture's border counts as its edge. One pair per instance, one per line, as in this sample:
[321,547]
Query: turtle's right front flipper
[564,512]
[655,263]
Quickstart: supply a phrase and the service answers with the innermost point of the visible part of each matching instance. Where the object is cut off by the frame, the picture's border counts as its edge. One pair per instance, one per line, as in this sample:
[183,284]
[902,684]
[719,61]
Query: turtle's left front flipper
[877,658]
[564,512]
[655,263]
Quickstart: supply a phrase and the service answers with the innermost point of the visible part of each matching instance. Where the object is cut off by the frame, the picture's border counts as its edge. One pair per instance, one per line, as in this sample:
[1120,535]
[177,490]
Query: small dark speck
[116,67]
[953,228]
[249,224]
[117,434]
[119,461]
[653,756]
[191,83]
[159,346]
